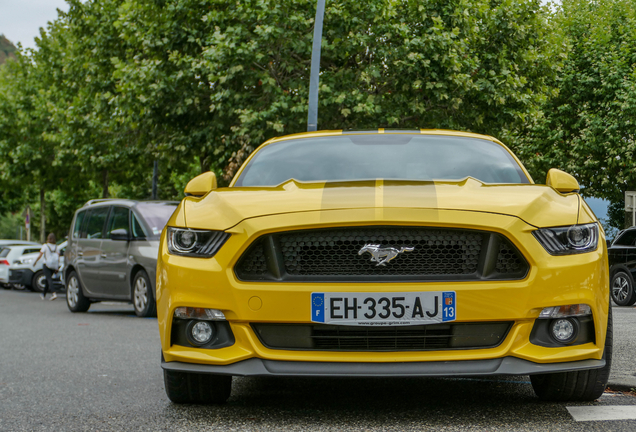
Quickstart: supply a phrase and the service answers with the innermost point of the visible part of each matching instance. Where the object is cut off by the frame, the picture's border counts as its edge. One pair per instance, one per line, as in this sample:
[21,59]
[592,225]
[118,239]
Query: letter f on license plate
[379,309]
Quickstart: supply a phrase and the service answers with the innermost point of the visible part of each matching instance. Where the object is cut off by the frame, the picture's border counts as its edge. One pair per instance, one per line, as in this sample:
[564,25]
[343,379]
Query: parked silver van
[112,253]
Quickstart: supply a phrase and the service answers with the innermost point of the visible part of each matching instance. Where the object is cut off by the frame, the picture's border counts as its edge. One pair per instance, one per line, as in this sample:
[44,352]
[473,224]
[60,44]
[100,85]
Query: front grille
[370,338]
[423,254]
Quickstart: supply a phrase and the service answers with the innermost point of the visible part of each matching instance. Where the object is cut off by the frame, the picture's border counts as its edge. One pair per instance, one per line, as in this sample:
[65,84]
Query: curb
[621,386]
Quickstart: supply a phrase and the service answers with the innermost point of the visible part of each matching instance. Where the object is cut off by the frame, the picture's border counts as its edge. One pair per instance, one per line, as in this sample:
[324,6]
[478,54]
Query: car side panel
[89,264]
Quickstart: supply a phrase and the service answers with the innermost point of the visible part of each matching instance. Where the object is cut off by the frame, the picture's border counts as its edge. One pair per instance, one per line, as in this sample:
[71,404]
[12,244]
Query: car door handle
[103,255]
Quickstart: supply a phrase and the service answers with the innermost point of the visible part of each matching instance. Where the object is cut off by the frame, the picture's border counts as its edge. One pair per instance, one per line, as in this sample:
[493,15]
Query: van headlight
[568,240]
[195,243]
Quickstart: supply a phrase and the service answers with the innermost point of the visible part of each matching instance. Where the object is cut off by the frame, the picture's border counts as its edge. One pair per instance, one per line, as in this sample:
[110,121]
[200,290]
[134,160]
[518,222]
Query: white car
[10,242]
[10,254]
[22,271]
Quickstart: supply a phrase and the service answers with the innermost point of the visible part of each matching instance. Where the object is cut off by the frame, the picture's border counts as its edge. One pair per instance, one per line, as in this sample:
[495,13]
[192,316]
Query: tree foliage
[589,128]
[198,84]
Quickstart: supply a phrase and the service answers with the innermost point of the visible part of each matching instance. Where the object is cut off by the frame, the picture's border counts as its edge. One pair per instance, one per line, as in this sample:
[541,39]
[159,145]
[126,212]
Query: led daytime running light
[199,314]
[565,311]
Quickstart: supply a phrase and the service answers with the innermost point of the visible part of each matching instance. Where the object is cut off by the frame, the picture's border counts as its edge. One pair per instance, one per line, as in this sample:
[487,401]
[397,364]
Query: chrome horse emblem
[383,255]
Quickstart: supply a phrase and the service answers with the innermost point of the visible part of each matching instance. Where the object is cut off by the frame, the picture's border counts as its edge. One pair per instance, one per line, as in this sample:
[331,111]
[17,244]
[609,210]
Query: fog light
[564,330]
[200,332]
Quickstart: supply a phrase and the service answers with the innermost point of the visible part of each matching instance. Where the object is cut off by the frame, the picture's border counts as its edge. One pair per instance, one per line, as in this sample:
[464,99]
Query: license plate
[381,309]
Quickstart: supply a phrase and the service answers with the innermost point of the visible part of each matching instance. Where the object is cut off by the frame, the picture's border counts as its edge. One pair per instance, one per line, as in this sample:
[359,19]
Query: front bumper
[551,281]
[500,366]
[21,276]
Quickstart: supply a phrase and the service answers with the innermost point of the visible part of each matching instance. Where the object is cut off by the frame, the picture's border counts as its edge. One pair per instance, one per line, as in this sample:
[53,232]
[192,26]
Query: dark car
[112,253]
[622,261]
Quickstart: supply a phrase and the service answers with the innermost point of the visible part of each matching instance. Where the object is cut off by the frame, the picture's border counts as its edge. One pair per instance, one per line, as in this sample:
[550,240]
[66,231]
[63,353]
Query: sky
[20,20]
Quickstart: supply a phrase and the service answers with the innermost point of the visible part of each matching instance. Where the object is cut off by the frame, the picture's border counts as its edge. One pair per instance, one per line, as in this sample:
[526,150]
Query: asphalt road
[100,371]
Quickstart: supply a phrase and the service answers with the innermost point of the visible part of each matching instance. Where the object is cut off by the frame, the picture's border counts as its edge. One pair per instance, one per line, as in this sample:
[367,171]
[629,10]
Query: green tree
[589,128]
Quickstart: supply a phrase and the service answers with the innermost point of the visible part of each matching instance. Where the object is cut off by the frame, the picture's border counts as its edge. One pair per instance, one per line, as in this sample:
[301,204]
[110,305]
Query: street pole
[155,179]
[314,78]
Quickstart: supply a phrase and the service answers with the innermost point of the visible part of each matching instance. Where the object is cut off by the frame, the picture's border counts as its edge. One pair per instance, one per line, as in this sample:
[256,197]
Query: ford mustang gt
[384,254]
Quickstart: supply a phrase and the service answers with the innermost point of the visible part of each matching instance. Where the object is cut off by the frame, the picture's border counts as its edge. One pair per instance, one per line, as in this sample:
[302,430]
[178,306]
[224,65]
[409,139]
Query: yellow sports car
[384,253]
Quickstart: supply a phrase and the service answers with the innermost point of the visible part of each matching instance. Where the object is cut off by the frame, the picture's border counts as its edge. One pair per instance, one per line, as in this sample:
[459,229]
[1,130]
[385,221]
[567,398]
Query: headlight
[195,243]
[26,260]
[568,240]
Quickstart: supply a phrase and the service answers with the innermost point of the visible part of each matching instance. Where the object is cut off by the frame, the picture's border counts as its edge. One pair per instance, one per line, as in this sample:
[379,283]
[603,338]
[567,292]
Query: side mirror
[201,184]
[119,234]
[562,181]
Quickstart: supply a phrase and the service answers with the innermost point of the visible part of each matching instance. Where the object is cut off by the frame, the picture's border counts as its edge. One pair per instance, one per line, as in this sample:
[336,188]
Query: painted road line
[601,413]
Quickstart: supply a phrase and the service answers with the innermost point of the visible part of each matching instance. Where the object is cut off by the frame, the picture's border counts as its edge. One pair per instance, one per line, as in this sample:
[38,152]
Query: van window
[78,224]
[137,230]
[118,220]
[96,222]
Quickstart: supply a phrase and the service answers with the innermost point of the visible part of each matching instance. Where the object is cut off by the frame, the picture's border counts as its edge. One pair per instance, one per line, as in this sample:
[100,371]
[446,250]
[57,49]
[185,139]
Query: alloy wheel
[41,282]
[72,292]
[620,288]
[141,294]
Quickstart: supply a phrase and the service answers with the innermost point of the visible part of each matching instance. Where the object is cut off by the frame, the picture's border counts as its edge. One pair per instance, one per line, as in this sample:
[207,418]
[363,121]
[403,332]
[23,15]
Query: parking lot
[101,371]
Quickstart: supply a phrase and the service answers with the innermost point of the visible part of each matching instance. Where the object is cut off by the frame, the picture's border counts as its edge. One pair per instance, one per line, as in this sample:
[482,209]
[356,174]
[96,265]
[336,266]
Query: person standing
[51,266]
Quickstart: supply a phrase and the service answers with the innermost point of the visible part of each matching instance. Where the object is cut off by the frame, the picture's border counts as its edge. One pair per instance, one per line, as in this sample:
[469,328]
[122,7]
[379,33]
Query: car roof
[8,242]
[123,202]
[384,131]
[22,246]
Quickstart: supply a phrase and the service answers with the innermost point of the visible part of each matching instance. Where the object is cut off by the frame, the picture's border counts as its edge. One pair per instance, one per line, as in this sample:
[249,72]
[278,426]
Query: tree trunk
[42,217]
[105,184]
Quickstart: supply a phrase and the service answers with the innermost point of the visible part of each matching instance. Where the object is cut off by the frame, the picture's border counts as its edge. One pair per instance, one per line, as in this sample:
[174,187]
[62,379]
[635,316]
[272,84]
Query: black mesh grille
[351,254]
[255,262]
[369,338]
[336,252]
[509,261]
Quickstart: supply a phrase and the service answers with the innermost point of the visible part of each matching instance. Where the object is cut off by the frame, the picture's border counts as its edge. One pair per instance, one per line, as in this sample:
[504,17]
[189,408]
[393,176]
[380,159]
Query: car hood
[537,205]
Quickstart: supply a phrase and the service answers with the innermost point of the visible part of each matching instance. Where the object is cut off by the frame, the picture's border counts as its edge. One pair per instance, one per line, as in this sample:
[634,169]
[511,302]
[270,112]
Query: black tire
[587,385]
[142,297]
[195,388]
[19,287]
[37,281]
[622,289]
[75,299]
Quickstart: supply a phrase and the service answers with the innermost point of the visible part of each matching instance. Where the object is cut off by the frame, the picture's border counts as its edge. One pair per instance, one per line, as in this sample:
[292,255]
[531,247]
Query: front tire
[622,289]
[142,298]
[38,281]
[579,386]
[75,299]
[194,388]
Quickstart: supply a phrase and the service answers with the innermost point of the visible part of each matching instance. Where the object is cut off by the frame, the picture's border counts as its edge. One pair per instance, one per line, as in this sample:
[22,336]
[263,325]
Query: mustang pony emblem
[383,255]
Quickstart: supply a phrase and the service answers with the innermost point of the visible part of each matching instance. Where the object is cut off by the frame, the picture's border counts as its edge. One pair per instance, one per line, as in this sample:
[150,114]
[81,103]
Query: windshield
[381,156]
[156,215]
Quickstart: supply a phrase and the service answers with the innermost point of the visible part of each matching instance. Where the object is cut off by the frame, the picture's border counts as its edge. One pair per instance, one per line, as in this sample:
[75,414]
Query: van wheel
[75,299]
[586,385]
[195,388]
[622,289]
[38,281]
[142,296]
